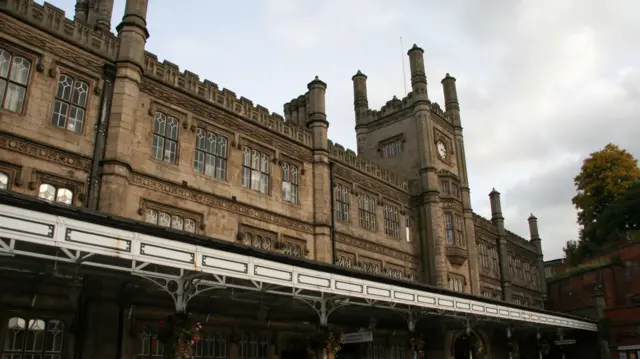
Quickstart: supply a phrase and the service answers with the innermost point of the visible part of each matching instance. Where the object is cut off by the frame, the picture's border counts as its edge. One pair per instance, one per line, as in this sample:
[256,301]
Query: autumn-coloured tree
[607,195]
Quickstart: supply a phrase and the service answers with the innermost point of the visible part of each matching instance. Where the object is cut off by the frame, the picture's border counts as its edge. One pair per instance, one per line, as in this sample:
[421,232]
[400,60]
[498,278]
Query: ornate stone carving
[456,255]
[217,202]
[373,247]
[44,152]
[41,41]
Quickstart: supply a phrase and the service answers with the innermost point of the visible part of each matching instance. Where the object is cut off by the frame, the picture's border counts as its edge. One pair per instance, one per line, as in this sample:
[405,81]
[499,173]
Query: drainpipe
[100,138]
[333,212]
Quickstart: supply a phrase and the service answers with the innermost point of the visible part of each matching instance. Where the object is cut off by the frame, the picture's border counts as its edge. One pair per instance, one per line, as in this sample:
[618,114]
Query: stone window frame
[483,251]
[392,146]
[228,137]
[346,259]
[389,266]
[76,77]
[368,218]
[181,121]
[288,244]
[35,65]
[76,187]
[270,154]
[519,270]
[512,268]
[283,161]
[370,265]
[262,339]
[197,218]
[449,228]
[37,315]
[342,202]
[456,280]
[250,235]
[449,184]
[408,224]
[12,172]
[391,213]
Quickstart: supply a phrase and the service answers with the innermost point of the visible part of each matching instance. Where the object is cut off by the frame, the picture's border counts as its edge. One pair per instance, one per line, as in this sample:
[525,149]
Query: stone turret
[360,106]
[418,74]
[537,242]
[125,108]
[96,13]
[503,253]
[319,126]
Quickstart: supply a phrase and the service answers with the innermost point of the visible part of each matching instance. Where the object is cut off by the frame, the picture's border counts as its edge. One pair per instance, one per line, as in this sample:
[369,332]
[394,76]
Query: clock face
[442,149]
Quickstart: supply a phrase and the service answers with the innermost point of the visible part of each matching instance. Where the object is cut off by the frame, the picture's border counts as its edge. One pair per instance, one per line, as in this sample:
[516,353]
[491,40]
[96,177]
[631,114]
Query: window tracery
[14,80]
[342,203]
[289,182]
[367,206]
[164,145]
[71,103]
[211,154]
[255,170]
[34,338]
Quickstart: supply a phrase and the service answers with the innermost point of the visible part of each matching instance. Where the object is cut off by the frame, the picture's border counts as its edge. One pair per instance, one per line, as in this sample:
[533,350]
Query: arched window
[211,154]
[289,182]
[165,138]
[71,103]
[255,170]
[254,346]
[212,345]
[52,193]
[14,78]
[33,338]
[148,345]
[165,219]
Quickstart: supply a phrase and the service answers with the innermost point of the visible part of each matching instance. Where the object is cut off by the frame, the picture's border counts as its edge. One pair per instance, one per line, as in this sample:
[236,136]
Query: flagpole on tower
[404,73]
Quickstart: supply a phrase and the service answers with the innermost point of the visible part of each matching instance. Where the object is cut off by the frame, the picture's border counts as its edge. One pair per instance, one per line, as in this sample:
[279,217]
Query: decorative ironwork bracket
[325,307]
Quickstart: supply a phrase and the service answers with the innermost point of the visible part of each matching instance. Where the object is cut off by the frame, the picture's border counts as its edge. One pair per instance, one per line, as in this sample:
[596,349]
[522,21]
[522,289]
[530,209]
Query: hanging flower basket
[325,340]
[178,336]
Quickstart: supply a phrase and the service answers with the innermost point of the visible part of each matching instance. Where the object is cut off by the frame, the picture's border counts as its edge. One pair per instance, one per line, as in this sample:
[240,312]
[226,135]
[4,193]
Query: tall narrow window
[456,283]
[342,203]
[14,78]
[391,220]
[255,170]
[484,260]
[511,269]
[4,180]
[211,154]
[52,193]
[367,212]
[446,189]
[71,103]
[407,227]
[33,338]
[459,232]
[289,182]
[448,223]
[494,260]
[165,138]
[527,272]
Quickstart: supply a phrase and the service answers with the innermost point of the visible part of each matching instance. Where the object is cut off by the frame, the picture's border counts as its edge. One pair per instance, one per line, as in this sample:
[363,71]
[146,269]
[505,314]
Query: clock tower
[415,138]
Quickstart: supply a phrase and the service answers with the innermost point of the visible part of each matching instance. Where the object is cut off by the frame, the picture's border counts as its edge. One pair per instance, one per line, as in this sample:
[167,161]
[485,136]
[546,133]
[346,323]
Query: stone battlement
[169,74]
[488,225]
[396,105]
[349,158]
[53,20]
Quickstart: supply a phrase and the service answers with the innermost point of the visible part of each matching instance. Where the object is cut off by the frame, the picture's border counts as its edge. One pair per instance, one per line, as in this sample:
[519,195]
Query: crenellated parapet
[53,20]
[395,106]
[169,74]
[349,158]
[490,227]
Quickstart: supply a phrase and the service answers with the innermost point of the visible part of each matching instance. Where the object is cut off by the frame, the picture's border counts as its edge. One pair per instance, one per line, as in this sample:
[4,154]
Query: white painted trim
[35,227]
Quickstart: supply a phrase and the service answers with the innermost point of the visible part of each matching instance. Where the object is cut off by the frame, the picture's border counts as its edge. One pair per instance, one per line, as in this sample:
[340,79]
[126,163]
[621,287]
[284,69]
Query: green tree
[607,192]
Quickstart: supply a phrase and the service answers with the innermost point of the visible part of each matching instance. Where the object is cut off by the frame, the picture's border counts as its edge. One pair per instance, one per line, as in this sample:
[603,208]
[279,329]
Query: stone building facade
[90,119]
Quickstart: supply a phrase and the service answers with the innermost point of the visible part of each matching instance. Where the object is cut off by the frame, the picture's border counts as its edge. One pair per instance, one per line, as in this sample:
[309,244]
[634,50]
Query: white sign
[565,342]
[359,337]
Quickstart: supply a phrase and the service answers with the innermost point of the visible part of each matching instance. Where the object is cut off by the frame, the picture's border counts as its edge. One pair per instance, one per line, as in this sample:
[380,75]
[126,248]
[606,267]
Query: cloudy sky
[542,83]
